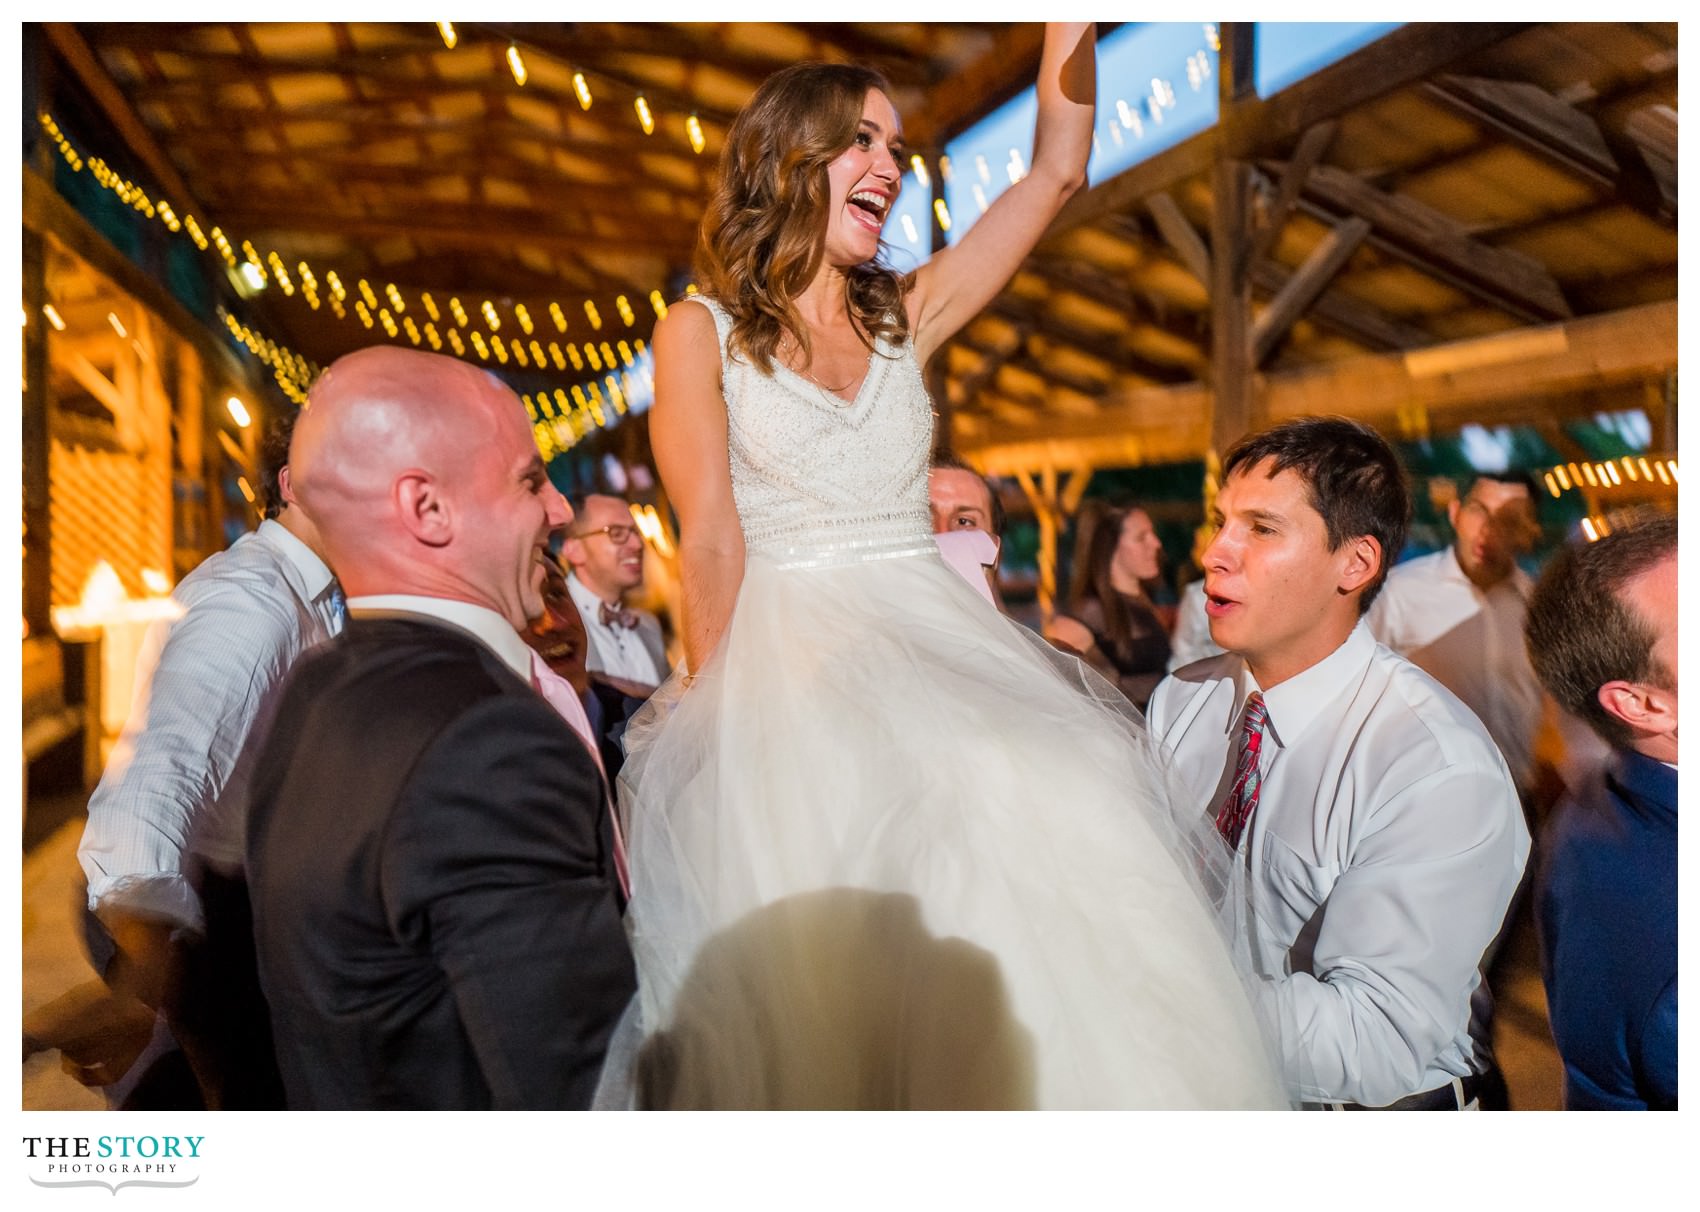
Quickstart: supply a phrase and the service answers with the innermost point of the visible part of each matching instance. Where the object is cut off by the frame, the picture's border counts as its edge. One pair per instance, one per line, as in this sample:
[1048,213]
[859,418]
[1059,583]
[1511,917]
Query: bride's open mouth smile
[868,207]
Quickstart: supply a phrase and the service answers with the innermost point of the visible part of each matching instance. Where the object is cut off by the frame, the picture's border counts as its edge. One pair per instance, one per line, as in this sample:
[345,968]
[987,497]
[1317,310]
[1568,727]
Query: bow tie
[617,616]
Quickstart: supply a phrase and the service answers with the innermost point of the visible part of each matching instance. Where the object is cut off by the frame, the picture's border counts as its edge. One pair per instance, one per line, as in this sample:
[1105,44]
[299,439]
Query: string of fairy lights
[560,418]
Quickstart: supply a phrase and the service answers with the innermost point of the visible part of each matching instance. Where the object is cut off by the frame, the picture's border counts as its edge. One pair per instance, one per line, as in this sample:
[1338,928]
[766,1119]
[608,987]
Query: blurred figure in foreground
[1602,638]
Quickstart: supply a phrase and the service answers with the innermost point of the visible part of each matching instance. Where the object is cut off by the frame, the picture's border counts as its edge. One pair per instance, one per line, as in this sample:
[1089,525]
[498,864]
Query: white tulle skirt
[892,850]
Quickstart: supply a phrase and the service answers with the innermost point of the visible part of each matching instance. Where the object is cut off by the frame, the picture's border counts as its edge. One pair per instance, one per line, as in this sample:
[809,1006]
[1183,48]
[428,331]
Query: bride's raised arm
[688,436]
[955,284]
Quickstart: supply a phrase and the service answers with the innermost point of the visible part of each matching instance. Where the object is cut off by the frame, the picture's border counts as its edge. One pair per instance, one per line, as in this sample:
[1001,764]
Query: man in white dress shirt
[1458,614]
[163,846]
[1376,833]
[605,552]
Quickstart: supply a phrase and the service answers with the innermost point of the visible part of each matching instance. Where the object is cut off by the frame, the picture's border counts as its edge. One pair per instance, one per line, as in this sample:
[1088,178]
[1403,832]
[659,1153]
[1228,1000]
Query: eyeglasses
[617,533]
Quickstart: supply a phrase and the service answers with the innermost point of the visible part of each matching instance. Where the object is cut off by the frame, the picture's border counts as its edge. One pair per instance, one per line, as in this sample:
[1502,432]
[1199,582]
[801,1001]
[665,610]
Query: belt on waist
[1460,1094]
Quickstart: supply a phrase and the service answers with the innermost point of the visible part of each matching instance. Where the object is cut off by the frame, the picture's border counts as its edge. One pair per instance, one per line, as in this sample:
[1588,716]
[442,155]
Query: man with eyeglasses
[605,553]
[1458,614]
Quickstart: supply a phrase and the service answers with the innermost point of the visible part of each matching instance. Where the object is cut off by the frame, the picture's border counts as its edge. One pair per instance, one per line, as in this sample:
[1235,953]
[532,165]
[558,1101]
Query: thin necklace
[835,393]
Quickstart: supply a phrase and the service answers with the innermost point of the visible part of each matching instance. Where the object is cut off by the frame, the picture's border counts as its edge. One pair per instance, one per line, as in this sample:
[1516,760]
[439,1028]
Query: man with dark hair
[1458,613]
[163,846]
[1602,637]
[1376,835]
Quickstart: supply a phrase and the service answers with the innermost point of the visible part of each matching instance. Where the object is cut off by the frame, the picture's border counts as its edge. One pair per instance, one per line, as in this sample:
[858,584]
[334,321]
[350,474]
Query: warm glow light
[1588,475]
[582,89]
[1552,484]
[517,65]
[117,324]
[53,317]
[1642,463]
[1588,529]
[593,315]
[1664,475]
[156,581]
[239,412]
[920,169]
[1563,477]
[247,491]
[693,128]
[943,214]
[659,304]
[104,601]
[447,29]
[645,118]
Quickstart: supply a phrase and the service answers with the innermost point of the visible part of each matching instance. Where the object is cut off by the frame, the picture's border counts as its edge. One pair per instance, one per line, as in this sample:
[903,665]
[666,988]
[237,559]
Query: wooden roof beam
[1301,290]
[1558,133]
[1180,235]
[1312,146]
[1344,314]
[1439,245]
[1460,377]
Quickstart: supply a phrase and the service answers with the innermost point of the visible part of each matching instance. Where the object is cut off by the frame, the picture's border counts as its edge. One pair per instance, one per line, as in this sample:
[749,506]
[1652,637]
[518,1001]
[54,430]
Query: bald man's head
[422,476]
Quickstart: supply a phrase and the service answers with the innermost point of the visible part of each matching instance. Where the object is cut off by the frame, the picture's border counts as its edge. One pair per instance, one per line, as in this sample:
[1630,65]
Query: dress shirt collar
[315,576]
[1299,701]
[480,622]
[589,605]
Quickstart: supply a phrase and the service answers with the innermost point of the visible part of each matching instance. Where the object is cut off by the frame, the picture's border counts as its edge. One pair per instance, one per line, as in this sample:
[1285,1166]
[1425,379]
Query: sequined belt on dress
[825,542]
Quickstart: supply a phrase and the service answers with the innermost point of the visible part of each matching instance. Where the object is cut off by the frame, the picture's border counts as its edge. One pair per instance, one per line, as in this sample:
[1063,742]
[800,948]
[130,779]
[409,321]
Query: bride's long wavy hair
[762,240]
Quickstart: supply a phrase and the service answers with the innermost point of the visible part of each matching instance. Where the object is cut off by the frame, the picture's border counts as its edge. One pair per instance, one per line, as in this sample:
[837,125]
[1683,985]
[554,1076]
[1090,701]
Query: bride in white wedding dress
[888,848]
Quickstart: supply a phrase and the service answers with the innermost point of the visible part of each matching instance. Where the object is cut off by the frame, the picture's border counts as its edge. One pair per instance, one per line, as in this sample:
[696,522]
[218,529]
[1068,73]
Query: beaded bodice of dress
[817,479]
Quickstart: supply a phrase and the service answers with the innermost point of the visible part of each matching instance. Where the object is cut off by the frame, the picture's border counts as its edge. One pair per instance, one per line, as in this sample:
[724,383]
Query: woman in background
[1110,621]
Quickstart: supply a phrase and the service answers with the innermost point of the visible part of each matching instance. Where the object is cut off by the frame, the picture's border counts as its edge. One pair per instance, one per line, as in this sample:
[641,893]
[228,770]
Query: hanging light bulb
[693,128]
[517,65]
[645,118]
[447,29]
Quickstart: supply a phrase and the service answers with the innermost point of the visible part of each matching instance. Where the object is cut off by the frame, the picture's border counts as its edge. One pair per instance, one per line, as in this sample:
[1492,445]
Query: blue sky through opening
[1156,88]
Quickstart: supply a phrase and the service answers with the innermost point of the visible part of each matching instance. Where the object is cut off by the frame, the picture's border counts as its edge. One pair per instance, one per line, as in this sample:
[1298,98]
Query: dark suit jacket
[433,894]
[1606,904]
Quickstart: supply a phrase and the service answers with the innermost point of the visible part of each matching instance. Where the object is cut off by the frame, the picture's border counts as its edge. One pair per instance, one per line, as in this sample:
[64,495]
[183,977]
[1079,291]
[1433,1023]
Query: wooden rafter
[1439,245]
[1460,377]
[1558,133]
[1305,285]
[1312,146]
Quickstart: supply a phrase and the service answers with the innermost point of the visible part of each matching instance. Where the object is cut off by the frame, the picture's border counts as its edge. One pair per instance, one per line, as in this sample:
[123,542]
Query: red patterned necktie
[1236,810]
[616,616]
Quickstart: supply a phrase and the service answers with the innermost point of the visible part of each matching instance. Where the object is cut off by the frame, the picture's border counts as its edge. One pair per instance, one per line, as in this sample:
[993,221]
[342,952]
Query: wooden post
[1054,499]
[1233,411]
[1232,406]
